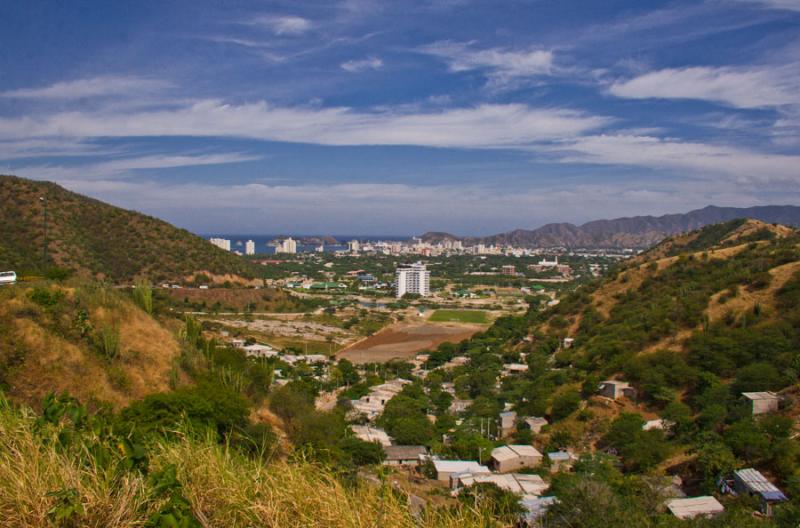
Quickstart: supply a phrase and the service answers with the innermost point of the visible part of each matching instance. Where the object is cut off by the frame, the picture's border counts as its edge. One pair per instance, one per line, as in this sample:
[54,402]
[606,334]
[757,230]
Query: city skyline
[363,117]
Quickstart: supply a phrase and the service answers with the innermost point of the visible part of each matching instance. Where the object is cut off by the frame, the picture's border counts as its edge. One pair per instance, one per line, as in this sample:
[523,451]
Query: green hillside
[95,238]
[691,325]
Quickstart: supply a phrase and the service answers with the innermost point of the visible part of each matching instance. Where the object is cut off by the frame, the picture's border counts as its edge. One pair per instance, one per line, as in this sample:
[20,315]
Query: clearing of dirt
[406,340]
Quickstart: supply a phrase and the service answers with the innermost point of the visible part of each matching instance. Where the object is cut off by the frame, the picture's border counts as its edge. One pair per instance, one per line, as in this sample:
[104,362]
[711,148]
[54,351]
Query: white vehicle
[7,277]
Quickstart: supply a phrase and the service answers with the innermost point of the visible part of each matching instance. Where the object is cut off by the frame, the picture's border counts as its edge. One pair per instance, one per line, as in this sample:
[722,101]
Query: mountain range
[627,232]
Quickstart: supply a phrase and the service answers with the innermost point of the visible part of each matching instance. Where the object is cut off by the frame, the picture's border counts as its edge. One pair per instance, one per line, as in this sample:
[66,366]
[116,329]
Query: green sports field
[459,316]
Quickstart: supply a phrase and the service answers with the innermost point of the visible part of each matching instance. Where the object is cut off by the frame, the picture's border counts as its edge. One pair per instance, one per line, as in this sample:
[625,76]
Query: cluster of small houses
[260,351]
[505,462]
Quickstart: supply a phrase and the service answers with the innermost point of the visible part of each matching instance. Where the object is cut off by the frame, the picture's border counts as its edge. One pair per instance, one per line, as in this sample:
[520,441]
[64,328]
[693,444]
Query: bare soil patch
[405,340]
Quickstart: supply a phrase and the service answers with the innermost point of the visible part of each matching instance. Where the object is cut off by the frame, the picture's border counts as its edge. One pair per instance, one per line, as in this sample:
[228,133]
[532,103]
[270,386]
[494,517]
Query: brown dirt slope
[43,349]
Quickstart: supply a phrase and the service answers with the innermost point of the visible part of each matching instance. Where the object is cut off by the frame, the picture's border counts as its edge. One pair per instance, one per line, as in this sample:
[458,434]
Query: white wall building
[221,243]
[354,246]
[288,245]
[250,248]
[413,279]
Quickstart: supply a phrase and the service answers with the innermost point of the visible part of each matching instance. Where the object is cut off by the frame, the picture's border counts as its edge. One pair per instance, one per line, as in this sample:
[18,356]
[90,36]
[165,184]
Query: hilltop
[636,231]
[98,239]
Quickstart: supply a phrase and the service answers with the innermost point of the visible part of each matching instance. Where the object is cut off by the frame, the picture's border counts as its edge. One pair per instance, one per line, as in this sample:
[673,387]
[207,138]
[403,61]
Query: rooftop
[457,466]
[758,483]
[692,507]
[404,452]
[760,395]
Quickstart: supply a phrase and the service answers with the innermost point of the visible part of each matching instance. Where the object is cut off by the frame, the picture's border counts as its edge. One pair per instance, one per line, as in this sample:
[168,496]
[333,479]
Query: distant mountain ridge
[632,232]
[98,239]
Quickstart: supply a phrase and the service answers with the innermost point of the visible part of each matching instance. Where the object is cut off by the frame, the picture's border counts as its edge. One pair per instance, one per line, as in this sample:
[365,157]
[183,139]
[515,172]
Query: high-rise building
[287,246]
[221,243]
[250,248]
[354,246]
[413,279]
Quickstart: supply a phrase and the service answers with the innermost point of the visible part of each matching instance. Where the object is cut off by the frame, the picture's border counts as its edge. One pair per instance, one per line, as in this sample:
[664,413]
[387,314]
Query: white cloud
[789,5]
[381,208]
[484,126]
[737,87]
[121,166]
[283,24]
[49,147]
[503,67]
[738,165]
[93,87]
[355,66]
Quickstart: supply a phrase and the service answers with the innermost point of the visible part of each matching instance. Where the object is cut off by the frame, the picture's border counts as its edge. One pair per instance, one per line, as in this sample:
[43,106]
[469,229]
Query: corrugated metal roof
[503,453]
[404,452]
[760,395]
[758,483]
[525,450]
[454,466]
[692,507]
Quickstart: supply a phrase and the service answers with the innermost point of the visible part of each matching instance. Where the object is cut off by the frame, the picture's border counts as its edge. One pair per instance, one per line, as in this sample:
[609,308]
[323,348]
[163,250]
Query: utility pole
[43,199]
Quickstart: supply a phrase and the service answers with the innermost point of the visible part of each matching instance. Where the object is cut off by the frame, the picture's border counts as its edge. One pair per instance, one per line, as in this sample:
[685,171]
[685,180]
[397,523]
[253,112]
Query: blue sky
[378,117]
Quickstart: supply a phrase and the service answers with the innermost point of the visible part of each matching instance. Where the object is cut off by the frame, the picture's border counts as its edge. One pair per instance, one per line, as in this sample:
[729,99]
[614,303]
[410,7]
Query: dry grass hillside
[88,340]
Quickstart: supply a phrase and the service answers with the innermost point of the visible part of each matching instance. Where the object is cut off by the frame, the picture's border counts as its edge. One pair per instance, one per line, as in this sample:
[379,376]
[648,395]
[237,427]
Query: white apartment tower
[287,246]
[221,243]
[413,279]
[354,246]
[250,248]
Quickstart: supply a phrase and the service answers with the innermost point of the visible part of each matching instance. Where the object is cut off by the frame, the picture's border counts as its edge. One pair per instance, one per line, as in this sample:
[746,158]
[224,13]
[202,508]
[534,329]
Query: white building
[250,248]
[288,245]
[354,246]
[446,468]
[371,434]
[221,243]
[413,279]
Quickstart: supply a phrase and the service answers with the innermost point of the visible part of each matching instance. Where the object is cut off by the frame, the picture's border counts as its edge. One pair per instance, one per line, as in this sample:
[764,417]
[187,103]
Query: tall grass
[143,296]
[224,487]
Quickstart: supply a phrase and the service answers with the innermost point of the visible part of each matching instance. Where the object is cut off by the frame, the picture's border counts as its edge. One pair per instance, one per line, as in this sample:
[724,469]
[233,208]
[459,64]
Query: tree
[565,404]
[491,498]
[361,453]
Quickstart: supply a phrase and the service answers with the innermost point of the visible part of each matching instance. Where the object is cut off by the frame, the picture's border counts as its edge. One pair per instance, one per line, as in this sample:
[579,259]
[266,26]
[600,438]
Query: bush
[205,406]
[565,404]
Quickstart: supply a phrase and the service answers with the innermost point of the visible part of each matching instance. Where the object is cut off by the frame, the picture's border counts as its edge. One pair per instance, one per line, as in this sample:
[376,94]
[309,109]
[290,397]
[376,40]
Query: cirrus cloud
[737,87]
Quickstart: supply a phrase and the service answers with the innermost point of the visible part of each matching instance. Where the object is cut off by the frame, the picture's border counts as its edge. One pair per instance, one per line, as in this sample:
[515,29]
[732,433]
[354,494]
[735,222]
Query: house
[560,460]
[535,509]
[371,434]
[508,423]
[659,423]
[762,402]
[514,368]
[404,455]
[373,403]
[535,423]
[259,351]
[237,343]
[512,457]
[459,406]
[458,361]
[568,342]
[695,506]
[615,389]
[314,358]
[525,485]
[751,482]
[446,468]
